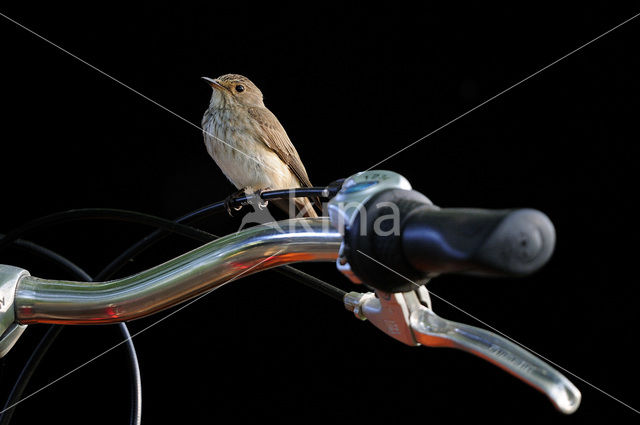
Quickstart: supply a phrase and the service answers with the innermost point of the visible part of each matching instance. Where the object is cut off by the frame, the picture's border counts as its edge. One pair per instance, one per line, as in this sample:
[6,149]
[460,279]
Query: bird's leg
[230,201]
[262,204]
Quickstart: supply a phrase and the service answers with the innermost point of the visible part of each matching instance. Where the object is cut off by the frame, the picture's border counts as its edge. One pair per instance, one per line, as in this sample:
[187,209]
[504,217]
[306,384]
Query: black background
[351,85]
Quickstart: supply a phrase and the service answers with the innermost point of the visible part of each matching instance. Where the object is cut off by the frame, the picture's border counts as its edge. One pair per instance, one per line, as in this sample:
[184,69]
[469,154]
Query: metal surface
[10,337]
[191,274]
[408,318]
[351,199]
[389,312]
[9,278]
[432,330]
[357,190]
[9,330]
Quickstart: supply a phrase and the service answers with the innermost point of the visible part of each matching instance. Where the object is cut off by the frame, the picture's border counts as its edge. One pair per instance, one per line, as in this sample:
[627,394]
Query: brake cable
[53,332]
[327,192]
[164,228]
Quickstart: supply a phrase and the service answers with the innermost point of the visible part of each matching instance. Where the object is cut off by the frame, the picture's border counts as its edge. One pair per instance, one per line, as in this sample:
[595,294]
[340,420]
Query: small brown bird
[248,142]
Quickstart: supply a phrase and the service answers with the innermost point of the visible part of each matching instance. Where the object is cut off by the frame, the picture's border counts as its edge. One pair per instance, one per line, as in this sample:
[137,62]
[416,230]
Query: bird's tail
[305,205]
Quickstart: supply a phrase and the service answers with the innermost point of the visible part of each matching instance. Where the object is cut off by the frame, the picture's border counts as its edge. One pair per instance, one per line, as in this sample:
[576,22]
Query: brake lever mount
[407,315]
[409,318]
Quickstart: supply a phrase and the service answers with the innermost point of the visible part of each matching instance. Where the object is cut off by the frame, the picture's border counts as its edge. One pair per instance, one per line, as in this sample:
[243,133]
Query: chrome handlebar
[180,279]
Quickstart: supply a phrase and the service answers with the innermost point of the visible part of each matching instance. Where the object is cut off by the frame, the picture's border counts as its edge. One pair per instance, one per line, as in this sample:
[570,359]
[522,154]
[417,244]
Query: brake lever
[409,318]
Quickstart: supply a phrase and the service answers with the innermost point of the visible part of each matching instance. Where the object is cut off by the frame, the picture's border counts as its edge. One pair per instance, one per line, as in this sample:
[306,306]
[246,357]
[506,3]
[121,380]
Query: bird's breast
[235,146]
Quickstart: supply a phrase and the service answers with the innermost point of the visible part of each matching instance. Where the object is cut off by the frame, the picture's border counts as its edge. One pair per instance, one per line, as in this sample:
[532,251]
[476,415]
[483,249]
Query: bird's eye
[239,88]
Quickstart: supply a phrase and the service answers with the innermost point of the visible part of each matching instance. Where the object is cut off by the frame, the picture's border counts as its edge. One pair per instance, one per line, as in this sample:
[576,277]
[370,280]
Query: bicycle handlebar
[381,233]
[187,276]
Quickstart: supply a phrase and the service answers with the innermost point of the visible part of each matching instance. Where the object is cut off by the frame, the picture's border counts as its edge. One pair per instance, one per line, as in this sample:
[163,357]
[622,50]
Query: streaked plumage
[248,142]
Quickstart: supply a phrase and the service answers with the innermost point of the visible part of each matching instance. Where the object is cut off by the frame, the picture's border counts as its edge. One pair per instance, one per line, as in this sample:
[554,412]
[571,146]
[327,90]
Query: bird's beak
[213,83]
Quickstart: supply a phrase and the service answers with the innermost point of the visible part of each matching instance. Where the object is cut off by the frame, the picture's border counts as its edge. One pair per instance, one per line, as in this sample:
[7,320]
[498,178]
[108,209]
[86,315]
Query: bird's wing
[276,139]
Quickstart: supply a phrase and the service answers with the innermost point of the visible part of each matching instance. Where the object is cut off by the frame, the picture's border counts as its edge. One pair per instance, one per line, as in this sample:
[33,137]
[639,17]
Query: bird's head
[233,90]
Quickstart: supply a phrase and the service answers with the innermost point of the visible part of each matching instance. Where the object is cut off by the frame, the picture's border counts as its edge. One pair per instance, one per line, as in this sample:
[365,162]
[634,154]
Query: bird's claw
[262,204]
[231,201]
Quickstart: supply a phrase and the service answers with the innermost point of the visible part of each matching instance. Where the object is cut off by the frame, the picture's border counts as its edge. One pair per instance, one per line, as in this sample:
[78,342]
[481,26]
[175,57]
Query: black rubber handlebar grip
[399,240]
[477,241]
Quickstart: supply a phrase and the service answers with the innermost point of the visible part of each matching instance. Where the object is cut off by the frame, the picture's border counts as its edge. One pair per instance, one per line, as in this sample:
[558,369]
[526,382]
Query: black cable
[27,371]
[105,214]
[135,416]
[53,332]
[141,218]
[114,267]
[327,192]
[49,337]
[54,256]
[199,214]
[166,226]
[312,282]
